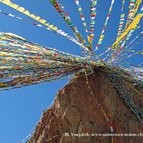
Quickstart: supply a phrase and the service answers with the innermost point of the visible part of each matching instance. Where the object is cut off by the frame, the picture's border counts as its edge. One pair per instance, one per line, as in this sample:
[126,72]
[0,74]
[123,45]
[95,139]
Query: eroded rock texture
[87,108]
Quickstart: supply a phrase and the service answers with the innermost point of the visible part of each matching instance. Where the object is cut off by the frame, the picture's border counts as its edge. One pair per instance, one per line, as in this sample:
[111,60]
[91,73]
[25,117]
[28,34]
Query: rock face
[89,106]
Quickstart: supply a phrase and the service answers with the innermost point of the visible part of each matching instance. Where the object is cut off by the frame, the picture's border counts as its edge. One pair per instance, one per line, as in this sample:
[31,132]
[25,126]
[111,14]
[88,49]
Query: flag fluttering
[25,63]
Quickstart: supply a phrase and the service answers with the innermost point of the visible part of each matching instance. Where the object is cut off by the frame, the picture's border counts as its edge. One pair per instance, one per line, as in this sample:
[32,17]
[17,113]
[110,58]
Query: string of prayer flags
[60,32]
[68,20]
[25,63]
[132,26]
[130,12]
[105,25]
[131,45]
[81,15]
[136,7]
[92,21]
[122,19]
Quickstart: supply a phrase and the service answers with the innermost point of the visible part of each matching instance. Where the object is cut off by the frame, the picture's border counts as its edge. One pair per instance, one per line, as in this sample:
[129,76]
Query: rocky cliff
[91,110]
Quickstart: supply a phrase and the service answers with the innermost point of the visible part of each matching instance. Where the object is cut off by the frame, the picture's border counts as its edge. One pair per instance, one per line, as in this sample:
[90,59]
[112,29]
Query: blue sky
[21,109]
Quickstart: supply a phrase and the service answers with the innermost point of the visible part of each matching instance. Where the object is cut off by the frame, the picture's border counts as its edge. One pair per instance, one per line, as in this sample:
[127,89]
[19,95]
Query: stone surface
[88,108]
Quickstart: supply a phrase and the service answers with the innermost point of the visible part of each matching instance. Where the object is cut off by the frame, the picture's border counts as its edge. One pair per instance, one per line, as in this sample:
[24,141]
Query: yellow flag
[132,26]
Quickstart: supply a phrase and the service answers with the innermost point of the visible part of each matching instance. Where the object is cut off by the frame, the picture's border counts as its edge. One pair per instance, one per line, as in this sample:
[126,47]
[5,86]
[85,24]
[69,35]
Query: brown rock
[83,107]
